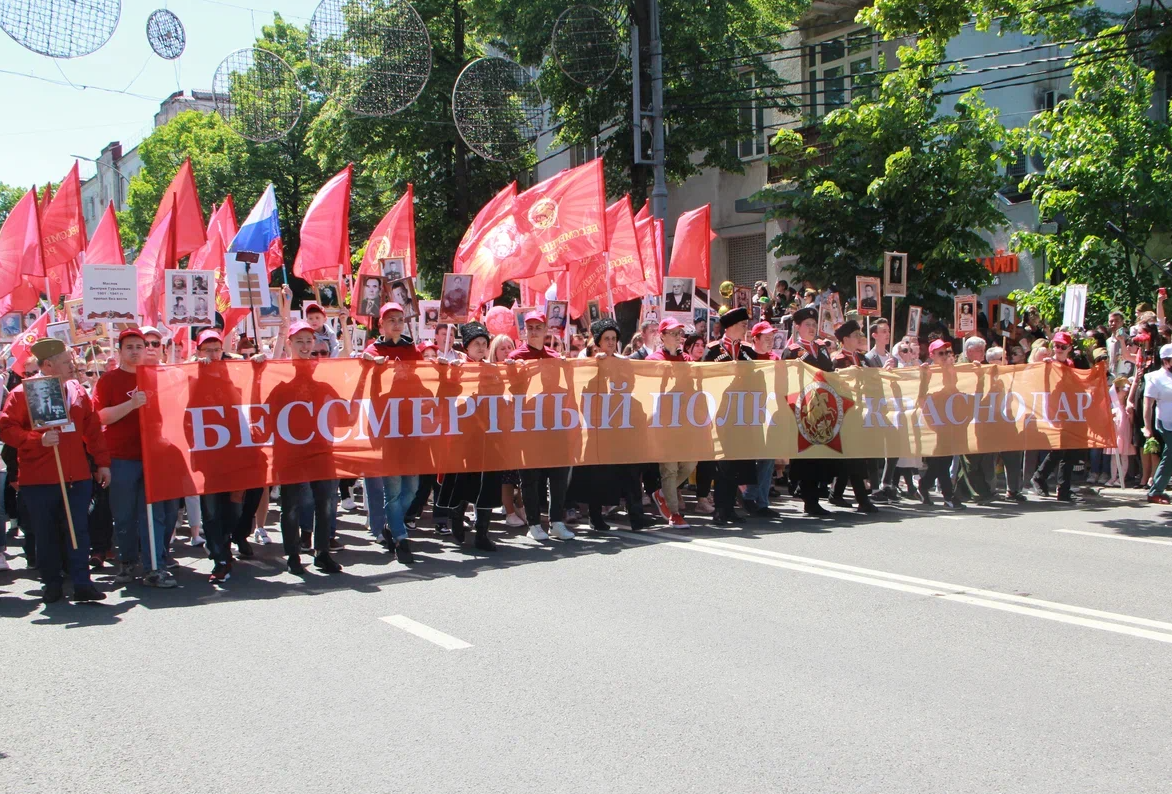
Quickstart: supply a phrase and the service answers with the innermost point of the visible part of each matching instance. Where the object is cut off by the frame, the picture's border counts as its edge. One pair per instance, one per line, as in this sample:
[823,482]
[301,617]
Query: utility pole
[655,116]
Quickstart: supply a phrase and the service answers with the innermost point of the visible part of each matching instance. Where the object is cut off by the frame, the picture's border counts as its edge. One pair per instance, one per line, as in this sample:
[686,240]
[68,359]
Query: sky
[44,123]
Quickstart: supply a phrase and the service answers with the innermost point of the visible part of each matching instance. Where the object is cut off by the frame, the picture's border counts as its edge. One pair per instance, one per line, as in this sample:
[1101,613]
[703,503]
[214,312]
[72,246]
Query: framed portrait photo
[1006,318]
[392,269]
[47,406]
[895,274]
[593,311]
[826,324]
[678,294]
[329,296]
[869,297]
[402,292]
[454,298]
[914,315]
[270,317]
[10,326]
[369,296]
[60,331]
[964,315]
[80,329]
[177,297]
[557,314]
[428,320]
[742,297]
[699,319]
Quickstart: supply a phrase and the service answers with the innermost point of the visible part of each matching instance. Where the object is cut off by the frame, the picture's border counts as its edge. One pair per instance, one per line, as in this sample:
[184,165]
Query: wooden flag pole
[65,495]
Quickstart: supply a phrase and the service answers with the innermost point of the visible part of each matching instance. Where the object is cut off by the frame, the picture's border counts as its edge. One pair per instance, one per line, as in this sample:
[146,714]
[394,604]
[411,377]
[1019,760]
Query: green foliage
[940,20]
[1047,299]
[899,177]
[1107,160]
[9,195]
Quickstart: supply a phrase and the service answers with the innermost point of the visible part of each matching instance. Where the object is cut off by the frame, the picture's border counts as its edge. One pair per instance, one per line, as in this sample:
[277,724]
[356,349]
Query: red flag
[622,244]
[691,251]
[47,196]
[105,247]
[187,215]
[63,223]
[23,299]
[325,231]
[472,255]
[63,281]
[158,254]
[20,348]
[20,244]
[652,279]
[222,229]
[547,228]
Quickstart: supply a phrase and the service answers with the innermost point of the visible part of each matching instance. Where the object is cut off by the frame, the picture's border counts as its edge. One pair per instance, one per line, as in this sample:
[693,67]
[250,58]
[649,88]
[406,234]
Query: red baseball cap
[312,306]
[939,344]
[426,345]
[1062,338]
[389,307]
[298,327]
[535,316]
[129,332]
[207,336]
[669,324]
[763,328]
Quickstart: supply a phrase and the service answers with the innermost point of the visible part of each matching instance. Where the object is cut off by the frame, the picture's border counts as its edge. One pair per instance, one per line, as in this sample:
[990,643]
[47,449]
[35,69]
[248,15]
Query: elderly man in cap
[731,473]
[41,484]
[804,346]
[117,400]
[398,492]
[534,481]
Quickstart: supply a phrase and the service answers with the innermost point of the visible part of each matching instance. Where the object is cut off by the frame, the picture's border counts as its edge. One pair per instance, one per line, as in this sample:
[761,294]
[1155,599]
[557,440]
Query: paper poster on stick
[247,283]
[965,315]
[1074,306]
[187,298]
[867,290]
[895,274]
[80,329]
[914,313]
[109,292]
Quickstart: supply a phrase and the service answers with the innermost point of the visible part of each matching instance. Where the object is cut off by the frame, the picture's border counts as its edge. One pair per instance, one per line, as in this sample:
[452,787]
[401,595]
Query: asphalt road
[918,650]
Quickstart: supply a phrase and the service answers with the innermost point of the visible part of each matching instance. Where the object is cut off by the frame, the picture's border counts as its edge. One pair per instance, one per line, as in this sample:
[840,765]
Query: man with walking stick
[55,479]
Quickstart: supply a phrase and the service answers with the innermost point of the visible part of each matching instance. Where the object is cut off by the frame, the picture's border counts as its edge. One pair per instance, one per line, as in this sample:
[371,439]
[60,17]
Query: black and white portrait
[402,292]
[454,297]
[370,294]
[46,402]
[677,294]
[392,269]
[895,274]
[327,294]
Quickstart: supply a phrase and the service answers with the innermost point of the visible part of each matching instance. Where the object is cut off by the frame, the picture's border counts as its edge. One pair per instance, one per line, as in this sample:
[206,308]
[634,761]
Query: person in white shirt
[1158,419]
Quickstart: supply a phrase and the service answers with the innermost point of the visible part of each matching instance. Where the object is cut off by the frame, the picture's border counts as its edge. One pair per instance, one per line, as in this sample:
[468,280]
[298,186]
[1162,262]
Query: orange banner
[230,426]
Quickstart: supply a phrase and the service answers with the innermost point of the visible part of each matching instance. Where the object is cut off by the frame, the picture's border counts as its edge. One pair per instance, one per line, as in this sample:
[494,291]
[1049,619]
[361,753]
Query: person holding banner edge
[41,482]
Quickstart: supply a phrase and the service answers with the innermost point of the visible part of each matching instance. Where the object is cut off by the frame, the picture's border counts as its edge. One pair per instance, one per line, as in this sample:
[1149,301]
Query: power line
[81,86]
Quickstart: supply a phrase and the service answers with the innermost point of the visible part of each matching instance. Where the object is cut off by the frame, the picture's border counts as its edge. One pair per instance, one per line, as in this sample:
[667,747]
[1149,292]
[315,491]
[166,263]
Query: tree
[940,20]
[900,176]
[1107,160]
[9,195]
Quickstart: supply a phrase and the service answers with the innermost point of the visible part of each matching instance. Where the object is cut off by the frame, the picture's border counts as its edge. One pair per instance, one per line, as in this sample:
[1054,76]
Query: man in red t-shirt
[117,399]
[533,481]
[39,480]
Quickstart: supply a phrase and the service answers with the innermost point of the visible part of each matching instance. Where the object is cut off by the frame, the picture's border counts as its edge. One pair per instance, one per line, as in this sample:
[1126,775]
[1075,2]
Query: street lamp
[118,192]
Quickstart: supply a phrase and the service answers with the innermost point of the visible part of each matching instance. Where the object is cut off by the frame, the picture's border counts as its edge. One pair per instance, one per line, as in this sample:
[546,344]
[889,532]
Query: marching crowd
[99,456]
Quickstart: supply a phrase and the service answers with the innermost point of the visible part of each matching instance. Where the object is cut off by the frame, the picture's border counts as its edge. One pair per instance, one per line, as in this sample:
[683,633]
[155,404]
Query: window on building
[838,69]
[584,152]
[746,259]
[752,118]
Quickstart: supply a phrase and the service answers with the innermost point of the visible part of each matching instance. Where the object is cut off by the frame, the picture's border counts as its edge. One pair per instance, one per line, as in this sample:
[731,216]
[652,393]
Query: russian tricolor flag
[261,231]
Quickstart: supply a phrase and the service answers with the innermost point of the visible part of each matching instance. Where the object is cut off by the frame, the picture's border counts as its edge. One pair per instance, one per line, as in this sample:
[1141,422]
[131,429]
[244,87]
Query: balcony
[811,139]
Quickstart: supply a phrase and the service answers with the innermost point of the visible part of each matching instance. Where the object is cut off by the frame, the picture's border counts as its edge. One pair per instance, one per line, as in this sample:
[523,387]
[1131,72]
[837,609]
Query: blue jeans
[1099,463]
[1159,479]
[128,506]
[3,515]
[398,494]
[220,515]
[759,493]
[165,515]
[376,509]
[322,500]
[46,511]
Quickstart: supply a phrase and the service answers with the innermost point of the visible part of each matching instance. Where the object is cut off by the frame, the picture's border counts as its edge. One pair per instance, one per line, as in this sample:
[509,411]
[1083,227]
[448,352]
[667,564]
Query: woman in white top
[1158,419]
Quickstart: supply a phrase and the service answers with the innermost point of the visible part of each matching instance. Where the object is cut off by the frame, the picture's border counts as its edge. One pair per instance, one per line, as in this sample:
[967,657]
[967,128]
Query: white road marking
[446,641]
[1157,541]
[991,599]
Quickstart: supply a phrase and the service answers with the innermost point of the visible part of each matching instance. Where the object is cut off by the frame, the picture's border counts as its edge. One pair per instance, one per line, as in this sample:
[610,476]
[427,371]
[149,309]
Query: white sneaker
[560,531]
[537,533]
[261,536]
[4,566]
[514,520]
[347,503]
[198,540]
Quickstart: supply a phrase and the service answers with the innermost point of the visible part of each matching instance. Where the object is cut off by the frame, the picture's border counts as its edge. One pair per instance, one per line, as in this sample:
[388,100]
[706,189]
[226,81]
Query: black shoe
[335,544]
[1068,498]
[925,498]
[724,517]
[483,541]
[221,573]
[1015,496]
[295,565]
[955,504]
[87,593]
[458,530]
[306,541]
[52,593]
[600,526]
[817,510]
[766,512]
[1039,486]
[324,562]
[889,493]
[867,507]
[245,549]
[403,552]
[839,501]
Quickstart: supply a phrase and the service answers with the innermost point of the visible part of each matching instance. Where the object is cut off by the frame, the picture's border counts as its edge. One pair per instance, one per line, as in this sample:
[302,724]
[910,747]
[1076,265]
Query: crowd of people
[95,465]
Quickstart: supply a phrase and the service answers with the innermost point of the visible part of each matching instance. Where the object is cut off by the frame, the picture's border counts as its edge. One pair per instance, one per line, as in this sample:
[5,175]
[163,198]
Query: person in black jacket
[731,473]
[804,346]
